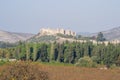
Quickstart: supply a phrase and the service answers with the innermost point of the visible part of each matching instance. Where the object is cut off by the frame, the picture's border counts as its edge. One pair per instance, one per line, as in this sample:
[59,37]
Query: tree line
[64,52]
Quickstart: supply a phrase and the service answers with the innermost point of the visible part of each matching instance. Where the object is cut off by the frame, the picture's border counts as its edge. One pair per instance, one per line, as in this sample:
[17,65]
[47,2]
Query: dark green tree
[52,52]
[100,37]
[70,54]
[35,52]
[60,57]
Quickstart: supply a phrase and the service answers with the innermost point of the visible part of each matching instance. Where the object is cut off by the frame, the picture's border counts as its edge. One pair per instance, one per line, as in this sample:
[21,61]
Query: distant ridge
[111,34]
[85,34]
[49,35]
[13,37]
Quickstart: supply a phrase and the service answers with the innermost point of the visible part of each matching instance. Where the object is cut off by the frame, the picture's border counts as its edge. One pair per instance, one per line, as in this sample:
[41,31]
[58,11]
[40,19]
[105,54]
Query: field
[70,72]
[75,73]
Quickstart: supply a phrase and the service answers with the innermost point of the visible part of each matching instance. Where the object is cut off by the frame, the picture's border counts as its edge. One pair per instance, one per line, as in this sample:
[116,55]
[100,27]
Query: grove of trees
[64,52]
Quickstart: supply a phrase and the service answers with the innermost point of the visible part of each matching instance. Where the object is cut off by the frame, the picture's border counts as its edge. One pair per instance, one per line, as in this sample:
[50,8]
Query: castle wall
[56,31]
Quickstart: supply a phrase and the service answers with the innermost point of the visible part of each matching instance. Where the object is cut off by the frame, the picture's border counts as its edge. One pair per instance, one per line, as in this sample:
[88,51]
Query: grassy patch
[3,62]
[56,64]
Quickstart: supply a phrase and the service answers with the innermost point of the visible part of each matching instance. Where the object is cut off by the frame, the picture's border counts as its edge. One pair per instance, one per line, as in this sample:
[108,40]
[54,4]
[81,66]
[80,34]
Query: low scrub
[86,62]
[23,71]
[2,62]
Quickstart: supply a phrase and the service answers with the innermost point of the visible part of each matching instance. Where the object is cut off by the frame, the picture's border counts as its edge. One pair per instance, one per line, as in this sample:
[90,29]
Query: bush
[113,66]
[2,62]
[86,62]
[23,71]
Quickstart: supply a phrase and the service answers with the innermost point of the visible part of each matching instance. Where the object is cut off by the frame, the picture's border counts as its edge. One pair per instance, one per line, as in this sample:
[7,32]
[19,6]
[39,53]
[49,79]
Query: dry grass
[77,73]
[23,71]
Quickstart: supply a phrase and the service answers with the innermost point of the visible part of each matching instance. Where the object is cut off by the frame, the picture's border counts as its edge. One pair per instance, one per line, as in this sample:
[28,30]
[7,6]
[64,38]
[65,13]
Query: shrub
[86,62]
[23,71]
[113,66]
[2,62]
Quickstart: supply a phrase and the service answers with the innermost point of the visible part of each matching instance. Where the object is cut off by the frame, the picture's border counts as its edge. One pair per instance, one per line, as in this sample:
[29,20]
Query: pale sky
[79,15]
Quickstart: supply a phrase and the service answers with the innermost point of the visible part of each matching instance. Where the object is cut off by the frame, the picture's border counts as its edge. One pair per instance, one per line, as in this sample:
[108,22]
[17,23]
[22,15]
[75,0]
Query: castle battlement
[50,31]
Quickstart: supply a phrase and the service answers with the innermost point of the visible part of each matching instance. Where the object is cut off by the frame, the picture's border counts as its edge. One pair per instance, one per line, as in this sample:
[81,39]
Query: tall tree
[100,37]
[43,53]
[27,51]
[52,52]
[70,54]
[60,53]
[35,52]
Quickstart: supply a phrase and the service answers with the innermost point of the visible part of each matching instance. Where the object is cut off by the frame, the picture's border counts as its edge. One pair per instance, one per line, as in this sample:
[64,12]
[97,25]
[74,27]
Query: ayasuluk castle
[50,31]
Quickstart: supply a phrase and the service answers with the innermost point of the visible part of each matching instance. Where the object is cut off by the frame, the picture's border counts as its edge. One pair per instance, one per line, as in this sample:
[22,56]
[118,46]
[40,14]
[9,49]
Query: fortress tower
[48,31]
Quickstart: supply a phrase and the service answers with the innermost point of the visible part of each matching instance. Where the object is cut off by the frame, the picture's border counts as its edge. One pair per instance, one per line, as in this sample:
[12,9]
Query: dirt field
[77,73]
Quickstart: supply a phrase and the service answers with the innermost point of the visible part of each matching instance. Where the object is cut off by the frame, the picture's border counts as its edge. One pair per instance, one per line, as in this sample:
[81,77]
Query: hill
[111,34]
[83,33]
[51,35]
[13,37]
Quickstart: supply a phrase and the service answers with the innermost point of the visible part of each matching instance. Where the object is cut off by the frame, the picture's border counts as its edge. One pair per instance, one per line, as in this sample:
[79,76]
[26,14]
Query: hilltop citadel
[49,31]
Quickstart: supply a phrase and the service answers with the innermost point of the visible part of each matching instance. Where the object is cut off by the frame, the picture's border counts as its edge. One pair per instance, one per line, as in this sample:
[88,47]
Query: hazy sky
[79,15]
